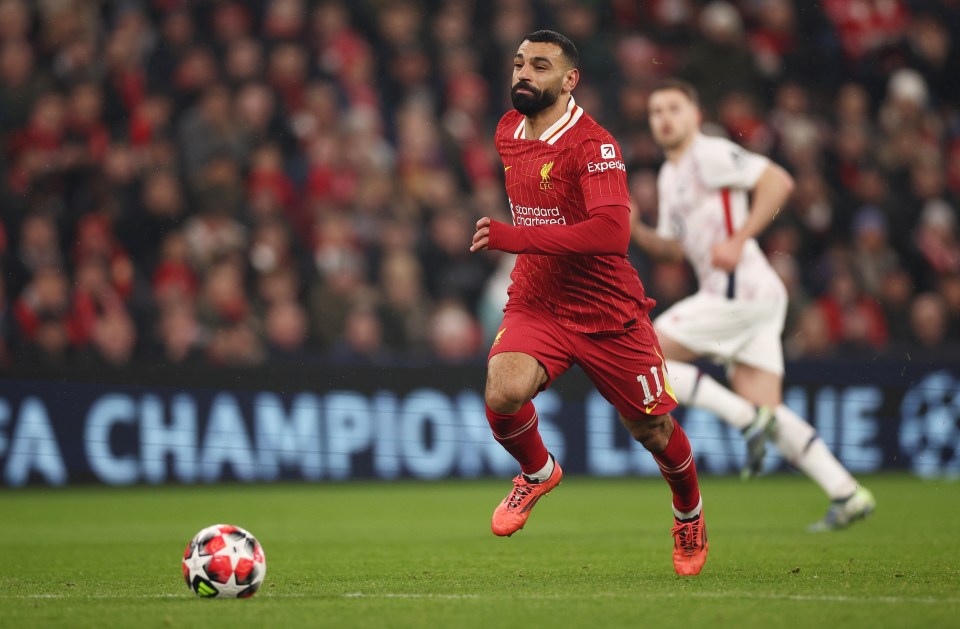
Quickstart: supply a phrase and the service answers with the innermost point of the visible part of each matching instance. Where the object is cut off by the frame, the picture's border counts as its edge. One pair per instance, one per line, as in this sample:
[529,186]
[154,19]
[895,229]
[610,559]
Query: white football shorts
[728,331]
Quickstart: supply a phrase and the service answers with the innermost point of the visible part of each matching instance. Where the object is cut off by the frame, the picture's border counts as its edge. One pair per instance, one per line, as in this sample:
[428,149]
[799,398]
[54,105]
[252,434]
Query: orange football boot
[689,546]
[512,513]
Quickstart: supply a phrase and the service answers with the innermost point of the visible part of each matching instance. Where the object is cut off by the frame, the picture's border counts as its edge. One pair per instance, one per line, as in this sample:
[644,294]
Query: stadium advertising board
[429,424]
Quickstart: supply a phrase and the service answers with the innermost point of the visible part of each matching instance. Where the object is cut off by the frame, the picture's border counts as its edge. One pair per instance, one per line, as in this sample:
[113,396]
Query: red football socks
[680,471]
[518,434]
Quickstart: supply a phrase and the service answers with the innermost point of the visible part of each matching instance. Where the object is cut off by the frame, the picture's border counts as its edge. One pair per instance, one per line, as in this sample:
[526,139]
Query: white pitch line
[803,598]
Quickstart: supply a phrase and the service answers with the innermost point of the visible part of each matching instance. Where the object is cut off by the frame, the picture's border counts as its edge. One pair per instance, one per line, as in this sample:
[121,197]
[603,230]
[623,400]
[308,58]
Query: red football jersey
[558,179]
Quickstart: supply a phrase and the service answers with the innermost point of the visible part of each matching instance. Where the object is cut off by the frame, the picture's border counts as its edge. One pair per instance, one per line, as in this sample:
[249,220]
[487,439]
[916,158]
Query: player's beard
[532,104]
[671,143]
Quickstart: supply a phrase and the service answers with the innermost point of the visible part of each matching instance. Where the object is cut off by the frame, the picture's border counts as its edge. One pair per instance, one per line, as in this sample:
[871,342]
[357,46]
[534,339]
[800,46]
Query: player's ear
[570,79]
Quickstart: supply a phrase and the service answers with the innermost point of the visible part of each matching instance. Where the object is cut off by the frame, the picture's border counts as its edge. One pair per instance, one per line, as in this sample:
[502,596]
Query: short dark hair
[687,89]
[553,37]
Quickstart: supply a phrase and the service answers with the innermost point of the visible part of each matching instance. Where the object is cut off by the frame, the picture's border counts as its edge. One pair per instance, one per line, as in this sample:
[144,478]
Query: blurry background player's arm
[657,247]
[606,232]
[768,196]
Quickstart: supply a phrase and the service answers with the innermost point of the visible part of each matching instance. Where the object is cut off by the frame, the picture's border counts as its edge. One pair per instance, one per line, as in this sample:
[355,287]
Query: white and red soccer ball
[224,561]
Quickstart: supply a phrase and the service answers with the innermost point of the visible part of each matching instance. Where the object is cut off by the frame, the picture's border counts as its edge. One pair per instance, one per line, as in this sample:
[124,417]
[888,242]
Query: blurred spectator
[176,35]
[37,158]
[929,327]
[212,236]
[222,301]
[173,281]
[160,210]
[51,324]
[287,72]
[896,294]
[455,337]
[739,116]
[236,345]
[277,285]
[797,135]
[15,20]
[96,242]
[773,41]
[342,271]
[38,247]
[720,61]
[937,241]
[180,337]
[272,194]
[209,130]
[451,271]
[405,308]
[20,84]
[932,49]
[854,321]
[810,337]
[284,19]
[872,257]
[287,328]
[361,342]
[114,340]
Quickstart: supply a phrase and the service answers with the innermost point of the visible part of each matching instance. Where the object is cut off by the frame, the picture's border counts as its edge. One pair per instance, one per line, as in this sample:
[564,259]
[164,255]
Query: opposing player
[714,198]
[574,298]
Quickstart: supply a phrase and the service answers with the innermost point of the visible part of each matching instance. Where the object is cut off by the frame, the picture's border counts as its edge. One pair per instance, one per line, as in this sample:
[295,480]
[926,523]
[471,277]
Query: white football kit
[703,200]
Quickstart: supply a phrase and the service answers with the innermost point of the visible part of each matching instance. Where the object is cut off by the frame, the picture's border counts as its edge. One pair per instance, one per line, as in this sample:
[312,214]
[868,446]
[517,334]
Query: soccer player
[574,297]
[714,198]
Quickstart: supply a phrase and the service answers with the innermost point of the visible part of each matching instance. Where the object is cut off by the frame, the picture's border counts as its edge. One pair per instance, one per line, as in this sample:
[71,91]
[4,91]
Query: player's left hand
[481,239]
[725,255]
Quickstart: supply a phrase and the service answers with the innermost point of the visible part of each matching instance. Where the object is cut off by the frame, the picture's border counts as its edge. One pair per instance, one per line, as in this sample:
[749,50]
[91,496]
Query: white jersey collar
[557,129]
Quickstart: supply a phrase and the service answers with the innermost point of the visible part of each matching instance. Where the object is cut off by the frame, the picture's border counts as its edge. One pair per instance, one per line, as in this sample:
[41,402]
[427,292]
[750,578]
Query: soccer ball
[224,561]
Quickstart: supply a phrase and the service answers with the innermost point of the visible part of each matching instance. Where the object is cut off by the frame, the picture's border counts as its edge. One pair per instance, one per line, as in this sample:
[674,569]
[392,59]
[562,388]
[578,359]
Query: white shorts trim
[728,331]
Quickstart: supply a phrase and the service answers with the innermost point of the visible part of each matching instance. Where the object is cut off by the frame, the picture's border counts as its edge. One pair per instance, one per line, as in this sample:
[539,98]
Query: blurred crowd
[241,182]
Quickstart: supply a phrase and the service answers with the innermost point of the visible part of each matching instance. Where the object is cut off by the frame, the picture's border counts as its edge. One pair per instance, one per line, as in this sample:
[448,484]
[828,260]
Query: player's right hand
[481,239]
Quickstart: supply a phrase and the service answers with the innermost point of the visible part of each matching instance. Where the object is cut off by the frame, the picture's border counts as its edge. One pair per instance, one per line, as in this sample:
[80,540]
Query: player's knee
[653,432]
[505,398]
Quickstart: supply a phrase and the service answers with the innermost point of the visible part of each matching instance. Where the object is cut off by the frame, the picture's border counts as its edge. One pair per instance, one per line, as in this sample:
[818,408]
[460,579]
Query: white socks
[689,515]
[802,447]
[695,388]
[544,472]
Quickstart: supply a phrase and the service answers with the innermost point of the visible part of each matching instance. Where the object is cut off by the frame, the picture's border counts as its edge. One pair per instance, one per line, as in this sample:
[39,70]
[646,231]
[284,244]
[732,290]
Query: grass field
[595,554]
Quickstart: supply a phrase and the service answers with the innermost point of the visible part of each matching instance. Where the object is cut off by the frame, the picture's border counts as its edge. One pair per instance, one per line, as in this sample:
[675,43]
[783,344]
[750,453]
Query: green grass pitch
[595,554]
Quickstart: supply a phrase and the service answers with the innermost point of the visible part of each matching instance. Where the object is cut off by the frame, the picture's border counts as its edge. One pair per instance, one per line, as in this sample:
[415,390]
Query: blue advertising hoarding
[325,424]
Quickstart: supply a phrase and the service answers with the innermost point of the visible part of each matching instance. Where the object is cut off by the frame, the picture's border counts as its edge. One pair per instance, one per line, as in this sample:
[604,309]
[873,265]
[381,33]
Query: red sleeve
[606,232]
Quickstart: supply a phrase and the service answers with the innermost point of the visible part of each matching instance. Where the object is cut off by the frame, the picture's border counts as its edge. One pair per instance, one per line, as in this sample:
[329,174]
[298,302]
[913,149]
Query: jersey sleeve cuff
[595,202]
[503,237]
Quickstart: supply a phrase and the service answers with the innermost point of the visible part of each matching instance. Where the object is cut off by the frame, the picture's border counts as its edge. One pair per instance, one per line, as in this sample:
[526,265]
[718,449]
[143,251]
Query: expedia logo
[607,151]
[545,183]
[600,167]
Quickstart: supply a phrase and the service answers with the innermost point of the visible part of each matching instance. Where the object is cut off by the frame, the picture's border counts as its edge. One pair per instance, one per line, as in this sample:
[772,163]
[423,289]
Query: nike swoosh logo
[530,504]
[649,409]
[506,168]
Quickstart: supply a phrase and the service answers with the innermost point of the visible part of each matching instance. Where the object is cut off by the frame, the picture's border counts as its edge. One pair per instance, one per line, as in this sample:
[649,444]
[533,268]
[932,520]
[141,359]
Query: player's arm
[656,246]
[769,194]
[605,232]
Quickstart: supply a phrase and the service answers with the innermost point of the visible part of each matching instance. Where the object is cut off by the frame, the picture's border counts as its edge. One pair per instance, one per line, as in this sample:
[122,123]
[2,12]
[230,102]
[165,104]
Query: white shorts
[729,331]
